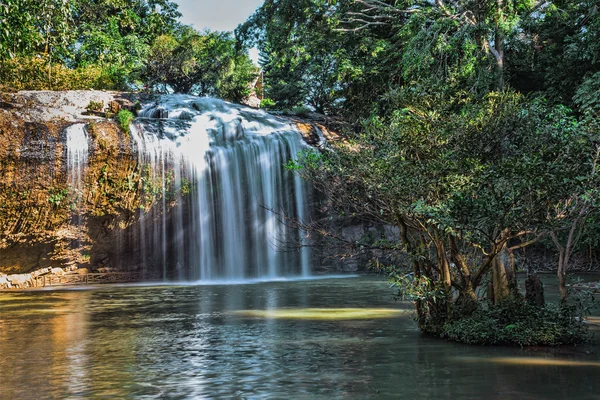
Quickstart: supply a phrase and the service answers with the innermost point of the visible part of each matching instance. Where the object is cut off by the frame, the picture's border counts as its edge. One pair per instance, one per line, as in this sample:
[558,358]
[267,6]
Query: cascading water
[218,170]
[77,157]
[77,154]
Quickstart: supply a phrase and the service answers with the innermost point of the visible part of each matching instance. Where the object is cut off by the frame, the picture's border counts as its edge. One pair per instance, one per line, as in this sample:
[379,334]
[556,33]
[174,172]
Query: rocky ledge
[31,280]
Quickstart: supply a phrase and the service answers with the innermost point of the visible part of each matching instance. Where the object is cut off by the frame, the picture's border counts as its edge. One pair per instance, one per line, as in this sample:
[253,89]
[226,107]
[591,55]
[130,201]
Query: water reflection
[318,314]
[223,342]
[531,361]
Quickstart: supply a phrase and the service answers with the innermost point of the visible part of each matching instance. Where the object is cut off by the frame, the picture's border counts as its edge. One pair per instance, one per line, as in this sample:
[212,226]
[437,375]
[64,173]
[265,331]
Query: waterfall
[77,158]
[77,155]
[224,198]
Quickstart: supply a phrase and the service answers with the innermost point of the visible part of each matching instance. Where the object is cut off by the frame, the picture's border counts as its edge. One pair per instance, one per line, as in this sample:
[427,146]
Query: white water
[77,158]
[77,154]
[218,170]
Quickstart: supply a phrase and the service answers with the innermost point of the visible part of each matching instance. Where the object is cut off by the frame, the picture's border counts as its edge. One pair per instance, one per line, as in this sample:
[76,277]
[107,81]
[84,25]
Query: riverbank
[57,278]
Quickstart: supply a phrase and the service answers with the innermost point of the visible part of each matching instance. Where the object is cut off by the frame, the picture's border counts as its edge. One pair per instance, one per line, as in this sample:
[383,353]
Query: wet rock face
[160,113]
[22,257]
[39,227]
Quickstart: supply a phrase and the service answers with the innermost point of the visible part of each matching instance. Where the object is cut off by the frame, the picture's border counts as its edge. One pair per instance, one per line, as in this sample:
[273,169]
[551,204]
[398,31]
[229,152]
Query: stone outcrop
[30,280]
[41,223]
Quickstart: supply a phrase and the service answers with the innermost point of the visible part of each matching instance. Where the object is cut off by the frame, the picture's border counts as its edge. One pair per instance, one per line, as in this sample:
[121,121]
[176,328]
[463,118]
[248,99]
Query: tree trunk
[499,43]
[467,300]
[501,277]
[534,290]
[444,265]
[564,252]
[562,275]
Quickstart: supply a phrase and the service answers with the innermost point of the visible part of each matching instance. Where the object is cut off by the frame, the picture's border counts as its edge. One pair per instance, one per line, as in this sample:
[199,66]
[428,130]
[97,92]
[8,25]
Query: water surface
[261,341]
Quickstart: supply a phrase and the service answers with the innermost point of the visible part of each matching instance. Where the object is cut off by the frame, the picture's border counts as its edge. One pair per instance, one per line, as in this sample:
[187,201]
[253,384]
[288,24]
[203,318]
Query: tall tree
[208,63]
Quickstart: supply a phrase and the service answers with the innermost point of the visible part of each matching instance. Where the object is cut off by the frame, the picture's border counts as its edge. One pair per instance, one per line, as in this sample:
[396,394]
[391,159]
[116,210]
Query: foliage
[56,197]
[117,35]
[234,84]
[300,111]
[587,98]
[124,118]
[515,322]
[298,52]
[348,55]
[267,103]
[28,27]
[116,45]
[563,50]
[35,73]
[200,63]
[95,105]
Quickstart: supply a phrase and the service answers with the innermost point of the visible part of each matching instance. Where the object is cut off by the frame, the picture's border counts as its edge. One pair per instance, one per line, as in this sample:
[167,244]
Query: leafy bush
[515,322]
[57,196]
[124,118]
[298,111]
[301,111]
[267,103]
[95,106]
[37,73]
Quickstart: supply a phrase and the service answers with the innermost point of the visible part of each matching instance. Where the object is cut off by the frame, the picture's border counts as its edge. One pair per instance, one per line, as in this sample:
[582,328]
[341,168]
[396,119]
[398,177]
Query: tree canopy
[117,44]
[475,128]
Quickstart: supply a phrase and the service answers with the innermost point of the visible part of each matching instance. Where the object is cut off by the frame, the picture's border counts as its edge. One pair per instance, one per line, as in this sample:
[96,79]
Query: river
[310,339]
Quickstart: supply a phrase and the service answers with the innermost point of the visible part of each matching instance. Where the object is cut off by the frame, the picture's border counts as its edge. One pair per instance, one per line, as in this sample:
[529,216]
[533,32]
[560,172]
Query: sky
[218,15]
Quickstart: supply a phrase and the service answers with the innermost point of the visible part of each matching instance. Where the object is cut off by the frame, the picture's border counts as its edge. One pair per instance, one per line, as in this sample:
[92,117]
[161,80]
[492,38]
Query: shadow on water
[319,339]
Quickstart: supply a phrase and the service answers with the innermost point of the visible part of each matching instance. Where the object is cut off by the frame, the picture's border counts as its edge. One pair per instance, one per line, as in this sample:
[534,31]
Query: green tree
[463,179]
[563,47]
[28,27]
[160,64]
[116,35]
[80,38]
[299,52]
[206,63]
[235,82]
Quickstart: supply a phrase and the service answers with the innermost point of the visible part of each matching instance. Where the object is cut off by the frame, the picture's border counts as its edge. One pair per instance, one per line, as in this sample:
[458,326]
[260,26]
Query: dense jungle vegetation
[475,134]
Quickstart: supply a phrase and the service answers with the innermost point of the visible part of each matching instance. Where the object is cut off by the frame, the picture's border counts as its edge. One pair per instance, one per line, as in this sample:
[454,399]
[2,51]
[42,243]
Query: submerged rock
[160,113]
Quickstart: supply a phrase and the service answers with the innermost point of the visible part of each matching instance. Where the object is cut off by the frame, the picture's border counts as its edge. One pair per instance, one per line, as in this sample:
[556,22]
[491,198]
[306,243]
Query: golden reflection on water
[332,314]
[530,361]
[593,320]
[47,340]
[44,342]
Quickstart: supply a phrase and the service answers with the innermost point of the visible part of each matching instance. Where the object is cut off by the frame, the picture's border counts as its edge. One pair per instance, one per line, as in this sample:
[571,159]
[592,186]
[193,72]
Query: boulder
[21,281]
[114,107]
[4,283]
[186,116]
[160,113]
